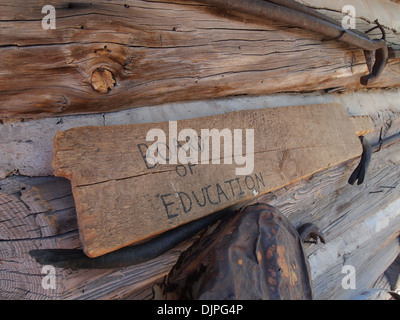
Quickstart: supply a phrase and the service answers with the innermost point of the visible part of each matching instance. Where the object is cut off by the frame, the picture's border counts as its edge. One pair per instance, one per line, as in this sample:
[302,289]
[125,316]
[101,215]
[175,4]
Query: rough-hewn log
[106,56]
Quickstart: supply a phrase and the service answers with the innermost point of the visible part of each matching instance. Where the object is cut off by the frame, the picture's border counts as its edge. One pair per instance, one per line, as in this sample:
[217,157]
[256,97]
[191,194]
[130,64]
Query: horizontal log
[107,165]
[110,56]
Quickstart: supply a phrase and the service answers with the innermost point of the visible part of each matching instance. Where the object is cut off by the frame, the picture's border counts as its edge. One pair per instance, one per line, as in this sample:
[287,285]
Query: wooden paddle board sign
[131,182]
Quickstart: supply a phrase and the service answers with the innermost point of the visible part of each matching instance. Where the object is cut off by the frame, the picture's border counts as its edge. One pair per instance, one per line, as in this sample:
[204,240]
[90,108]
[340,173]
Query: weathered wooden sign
[131,182]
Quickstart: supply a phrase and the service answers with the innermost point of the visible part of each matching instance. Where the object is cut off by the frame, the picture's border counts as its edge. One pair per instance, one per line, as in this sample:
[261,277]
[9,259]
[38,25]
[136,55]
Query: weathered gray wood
[39,213]
[32,219]
[393,275]
[358,230]
[373,294]
[33,140]
[324,198]
[25,219]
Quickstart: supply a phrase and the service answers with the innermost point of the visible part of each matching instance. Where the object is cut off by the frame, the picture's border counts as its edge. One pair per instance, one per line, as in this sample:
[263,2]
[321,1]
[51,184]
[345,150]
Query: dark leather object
[256,254]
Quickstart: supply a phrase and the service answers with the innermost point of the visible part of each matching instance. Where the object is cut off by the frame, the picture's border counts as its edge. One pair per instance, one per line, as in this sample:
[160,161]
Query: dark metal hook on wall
[295,14]
[380,27]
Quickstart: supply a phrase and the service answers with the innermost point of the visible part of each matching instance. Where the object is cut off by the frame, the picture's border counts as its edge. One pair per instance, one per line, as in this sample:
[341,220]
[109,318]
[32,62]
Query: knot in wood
[102,80]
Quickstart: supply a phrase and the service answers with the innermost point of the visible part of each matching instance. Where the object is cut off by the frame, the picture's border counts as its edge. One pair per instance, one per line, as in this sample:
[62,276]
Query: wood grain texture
[122,199]
[107,56]
[324,198]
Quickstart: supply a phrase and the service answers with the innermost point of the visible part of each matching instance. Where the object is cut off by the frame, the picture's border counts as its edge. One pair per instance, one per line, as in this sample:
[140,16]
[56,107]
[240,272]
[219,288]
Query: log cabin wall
[137,61]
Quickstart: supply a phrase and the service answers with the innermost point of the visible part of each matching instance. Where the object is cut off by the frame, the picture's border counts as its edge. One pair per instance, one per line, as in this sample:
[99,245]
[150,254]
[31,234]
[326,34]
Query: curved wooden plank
[121,198]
